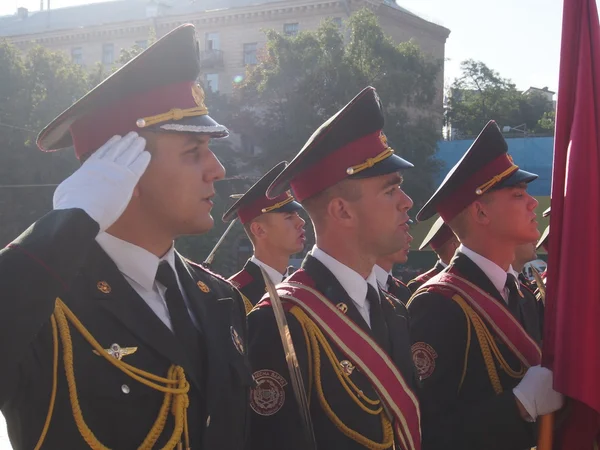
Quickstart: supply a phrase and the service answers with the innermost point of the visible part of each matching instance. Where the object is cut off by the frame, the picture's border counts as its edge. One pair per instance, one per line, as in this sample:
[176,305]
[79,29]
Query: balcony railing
[211,59]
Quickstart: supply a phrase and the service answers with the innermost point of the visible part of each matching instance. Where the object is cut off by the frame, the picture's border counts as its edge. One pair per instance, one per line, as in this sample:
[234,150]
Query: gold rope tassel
[290,199]
[495,180]
[175,387]
[489,349]
[370,162]
[317,341]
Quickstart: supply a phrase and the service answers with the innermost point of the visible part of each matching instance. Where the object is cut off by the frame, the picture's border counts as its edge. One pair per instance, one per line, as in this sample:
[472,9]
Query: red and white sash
[363,352]
[495,314]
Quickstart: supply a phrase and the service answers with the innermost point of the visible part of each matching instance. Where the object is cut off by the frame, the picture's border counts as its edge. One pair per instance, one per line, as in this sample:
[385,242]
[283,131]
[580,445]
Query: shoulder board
[241,279]
[300,276]
[427,275]
[206,270]
[399,281]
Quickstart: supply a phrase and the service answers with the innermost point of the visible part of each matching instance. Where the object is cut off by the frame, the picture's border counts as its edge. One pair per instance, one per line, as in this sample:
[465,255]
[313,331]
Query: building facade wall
[240,26]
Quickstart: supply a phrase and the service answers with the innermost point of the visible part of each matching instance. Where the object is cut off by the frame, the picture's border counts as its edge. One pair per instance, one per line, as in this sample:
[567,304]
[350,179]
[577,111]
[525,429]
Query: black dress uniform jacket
[399,290]
[414,284]
[533,293]
[59,257]
[471,416]
[282,429]
[250,282]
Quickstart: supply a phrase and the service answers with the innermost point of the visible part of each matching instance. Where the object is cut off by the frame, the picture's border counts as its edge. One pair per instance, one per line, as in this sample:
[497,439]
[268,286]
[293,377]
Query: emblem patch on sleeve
[268,396]
[424,357]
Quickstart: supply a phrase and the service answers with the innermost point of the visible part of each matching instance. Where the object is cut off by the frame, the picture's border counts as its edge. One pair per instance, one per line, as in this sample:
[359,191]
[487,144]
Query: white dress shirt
[444,265]
[139,267]
[275,276]
[493,271]
[352,282]
[382,277]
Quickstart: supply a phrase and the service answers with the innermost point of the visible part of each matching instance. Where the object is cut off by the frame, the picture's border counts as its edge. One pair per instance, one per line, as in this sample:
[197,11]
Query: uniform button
[125,389]
[207,421]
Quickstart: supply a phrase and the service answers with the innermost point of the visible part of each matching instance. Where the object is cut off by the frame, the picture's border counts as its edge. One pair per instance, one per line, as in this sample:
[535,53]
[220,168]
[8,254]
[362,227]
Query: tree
[301,81]
[480,94]
[547,122]
[35,88]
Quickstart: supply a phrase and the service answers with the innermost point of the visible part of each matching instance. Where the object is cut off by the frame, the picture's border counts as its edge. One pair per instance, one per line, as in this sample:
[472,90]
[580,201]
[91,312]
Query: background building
[229,31]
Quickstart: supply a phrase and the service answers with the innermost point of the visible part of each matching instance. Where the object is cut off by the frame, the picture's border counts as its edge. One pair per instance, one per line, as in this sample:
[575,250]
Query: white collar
[443,264]
[274,275]
[352,282]
[493,271]
[382,277]
[135,262]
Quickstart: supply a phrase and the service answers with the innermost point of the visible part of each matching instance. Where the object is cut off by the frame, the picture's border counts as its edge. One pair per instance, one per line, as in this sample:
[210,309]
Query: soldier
[524,253]
[275,230]
[444,243]
[109,337]
[475,336]
[543,241]
[351,341]
[383,270]
[540,288]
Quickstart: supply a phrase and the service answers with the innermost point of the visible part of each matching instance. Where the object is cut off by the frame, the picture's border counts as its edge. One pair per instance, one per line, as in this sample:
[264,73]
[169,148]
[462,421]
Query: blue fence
[533,154]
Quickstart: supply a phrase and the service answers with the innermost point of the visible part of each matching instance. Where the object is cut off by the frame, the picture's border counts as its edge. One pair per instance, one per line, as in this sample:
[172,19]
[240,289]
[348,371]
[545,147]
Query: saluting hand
[104,184]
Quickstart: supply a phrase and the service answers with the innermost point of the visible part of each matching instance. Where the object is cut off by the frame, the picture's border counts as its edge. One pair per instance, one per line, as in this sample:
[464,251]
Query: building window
[212,41]
[77,55]
[108,54]
[290,29]
[337,22]
[250,53]
[212,81]
[143,44]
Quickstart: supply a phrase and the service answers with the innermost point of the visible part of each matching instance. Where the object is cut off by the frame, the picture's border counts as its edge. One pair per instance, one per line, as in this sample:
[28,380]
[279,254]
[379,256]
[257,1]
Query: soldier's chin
[203,225]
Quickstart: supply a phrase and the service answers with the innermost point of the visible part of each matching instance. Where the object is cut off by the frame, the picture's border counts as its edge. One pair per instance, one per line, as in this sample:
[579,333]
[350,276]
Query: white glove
[104,184]
[536,394]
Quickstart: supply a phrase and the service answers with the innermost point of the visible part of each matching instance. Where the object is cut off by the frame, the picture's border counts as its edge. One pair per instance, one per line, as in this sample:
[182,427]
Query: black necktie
[514,294]
[181,322]
[378,324]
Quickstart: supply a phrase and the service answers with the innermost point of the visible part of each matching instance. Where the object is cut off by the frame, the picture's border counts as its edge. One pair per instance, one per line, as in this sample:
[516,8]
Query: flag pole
[546,432]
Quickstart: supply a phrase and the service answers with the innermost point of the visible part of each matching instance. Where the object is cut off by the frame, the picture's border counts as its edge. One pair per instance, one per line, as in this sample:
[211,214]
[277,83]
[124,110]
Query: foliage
[35,88]
[301,81]
[480,94]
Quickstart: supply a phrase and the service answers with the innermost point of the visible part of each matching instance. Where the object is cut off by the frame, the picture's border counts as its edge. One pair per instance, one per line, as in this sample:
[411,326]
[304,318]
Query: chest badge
[342,307]
[237,340]
[104,287]
[347,367]
[118,352]
[203,287]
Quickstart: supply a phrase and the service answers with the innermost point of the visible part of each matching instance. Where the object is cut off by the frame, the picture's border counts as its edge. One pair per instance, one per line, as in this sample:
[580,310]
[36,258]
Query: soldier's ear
[257,229]
[479,212]
[341,211]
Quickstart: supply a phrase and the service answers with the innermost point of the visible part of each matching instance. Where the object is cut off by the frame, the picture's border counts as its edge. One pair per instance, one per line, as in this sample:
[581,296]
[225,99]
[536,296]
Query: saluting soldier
[386,279]
[275,230]
[351,340]
[475,335]
[444,243]
[109,337]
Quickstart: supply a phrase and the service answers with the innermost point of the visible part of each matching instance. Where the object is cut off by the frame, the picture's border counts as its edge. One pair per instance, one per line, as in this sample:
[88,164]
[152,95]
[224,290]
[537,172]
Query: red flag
[572,327]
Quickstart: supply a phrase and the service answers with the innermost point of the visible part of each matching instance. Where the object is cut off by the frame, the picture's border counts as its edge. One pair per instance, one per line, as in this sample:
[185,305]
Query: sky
[520,39]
